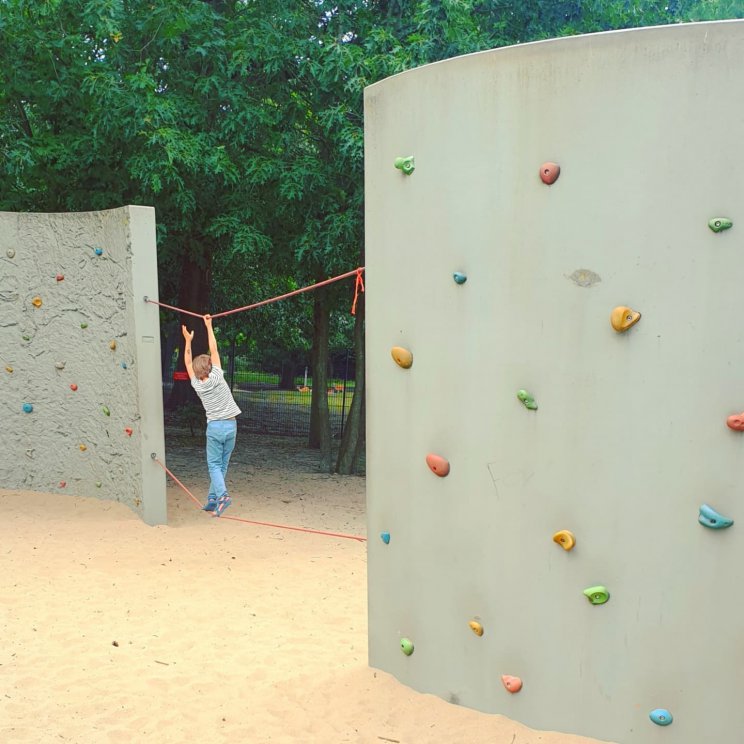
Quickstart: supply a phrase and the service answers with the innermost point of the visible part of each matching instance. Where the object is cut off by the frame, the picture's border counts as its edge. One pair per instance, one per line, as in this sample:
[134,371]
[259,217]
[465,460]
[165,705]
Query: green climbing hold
[406,165]
[83,325]
[98,484]
[26,338]
[106,411]
[406,646]
[719,224]
[527,399]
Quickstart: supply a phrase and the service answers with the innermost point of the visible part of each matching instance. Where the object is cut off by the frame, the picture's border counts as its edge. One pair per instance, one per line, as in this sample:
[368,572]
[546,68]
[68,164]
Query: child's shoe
[222,504]
[211,505]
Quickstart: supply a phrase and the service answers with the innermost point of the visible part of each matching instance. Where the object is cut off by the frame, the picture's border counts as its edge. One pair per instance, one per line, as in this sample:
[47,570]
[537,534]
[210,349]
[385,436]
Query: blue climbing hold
[709,517]
[459,277]
[98,251]
[385,537]
[661,716]
[123,365]
[27,408]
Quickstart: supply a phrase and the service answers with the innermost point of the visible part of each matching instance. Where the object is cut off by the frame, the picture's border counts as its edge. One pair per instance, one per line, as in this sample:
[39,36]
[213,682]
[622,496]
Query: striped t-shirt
[215,396]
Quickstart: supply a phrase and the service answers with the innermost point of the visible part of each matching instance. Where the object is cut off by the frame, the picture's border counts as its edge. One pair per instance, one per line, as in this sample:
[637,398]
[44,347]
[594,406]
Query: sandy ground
[207,630]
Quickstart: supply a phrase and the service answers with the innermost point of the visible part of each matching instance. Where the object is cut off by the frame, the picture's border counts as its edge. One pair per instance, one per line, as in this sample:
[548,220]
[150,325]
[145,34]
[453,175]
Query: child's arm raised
[188,336]
[213,352]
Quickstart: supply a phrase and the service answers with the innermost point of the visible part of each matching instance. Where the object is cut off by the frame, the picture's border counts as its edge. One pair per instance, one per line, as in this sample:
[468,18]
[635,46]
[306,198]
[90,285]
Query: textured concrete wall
[79,344]
[630,435]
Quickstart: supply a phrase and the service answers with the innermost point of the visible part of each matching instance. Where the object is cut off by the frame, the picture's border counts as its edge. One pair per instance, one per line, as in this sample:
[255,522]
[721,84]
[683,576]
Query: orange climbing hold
[513,684]
[36,302]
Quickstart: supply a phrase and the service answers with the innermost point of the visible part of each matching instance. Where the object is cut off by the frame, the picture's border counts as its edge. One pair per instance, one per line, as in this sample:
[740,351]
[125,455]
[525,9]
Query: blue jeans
[220,444]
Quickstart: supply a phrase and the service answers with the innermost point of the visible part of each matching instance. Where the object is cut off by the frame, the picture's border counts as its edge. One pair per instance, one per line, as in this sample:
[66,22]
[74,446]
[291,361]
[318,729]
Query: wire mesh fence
[275,397]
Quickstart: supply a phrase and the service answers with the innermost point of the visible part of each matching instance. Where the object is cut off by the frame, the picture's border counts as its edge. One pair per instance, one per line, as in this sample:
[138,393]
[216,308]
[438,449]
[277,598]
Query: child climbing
[208,381]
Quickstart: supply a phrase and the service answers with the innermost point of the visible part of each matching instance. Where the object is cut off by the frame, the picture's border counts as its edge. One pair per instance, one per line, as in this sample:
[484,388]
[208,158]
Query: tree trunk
[320,420]
[193,295]
[352,441]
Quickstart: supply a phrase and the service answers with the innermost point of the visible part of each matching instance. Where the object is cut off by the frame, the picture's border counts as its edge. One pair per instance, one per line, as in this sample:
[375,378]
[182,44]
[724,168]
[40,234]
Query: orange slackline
[359,286]
[359,538]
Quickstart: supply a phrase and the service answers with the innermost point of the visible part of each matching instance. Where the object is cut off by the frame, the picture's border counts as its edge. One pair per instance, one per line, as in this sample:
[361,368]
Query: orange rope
[358,286]
[359,538]
[357,272]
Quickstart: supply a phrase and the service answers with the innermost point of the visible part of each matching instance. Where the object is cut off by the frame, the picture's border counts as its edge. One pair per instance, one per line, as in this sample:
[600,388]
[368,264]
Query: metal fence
[275,400]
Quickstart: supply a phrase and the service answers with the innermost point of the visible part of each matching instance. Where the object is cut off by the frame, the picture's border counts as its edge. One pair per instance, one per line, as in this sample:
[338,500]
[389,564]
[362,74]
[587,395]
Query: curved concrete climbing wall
[82,402]
[526,421]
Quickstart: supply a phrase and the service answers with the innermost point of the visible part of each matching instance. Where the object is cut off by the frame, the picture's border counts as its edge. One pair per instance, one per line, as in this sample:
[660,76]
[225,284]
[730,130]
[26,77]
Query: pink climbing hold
[59,277]
[513,684]
[128,431]
[438,465]
[736,422]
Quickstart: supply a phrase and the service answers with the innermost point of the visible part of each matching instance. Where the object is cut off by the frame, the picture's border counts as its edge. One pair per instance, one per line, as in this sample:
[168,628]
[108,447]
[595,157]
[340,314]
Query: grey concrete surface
[93,331]
[630,435]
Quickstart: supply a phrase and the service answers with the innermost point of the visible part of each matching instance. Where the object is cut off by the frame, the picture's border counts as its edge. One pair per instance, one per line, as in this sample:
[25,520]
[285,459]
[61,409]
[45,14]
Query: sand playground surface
[207,630]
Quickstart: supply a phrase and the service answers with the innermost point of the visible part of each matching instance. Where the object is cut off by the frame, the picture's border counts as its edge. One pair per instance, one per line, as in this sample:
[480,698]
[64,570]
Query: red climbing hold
[128,431]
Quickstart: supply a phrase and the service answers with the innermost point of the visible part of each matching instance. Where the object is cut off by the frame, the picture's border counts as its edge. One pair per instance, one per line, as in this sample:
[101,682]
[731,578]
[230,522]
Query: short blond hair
[202,366]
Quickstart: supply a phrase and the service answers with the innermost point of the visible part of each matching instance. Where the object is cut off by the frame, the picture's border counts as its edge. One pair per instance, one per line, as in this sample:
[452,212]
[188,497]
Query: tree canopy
[241,122]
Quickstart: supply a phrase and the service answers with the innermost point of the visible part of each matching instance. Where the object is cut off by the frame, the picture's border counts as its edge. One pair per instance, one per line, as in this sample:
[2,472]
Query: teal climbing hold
[385,537]
[406,165]
[459,277]
[98,251]
[27,408]
[123,365]
[709,517]
[661,716]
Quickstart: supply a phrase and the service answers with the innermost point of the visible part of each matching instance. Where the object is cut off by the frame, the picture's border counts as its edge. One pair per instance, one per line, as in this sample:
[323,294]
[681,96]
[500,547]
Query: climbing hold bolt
[661,716]
[27,408]
[407,165]
[83,448]
[623,318]
[597,595]
[565,539]
[476,627]
[10,253]
[459,277]
[106,411]
[527,399]
[59,365]
[385,537]
[709,517]
[438,465]
[73,387]
[403,357]
[98,251]
[719,224]
[512,684]
[128,431]
[83,325]
[36,302]
[406,646]
[112,345]
[549,172]
[59,277]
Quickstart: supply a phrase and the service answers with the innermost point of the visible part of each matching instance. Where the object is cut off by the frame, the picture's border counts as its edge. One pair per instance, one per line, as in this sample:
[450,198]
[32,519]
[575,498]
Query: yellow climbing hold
[36,302]
[403,357]
[565,539]
[112,345]
[9,370]
[83,448]
[476,627]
